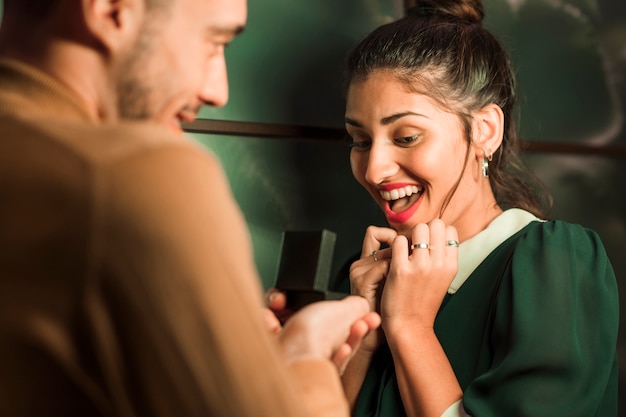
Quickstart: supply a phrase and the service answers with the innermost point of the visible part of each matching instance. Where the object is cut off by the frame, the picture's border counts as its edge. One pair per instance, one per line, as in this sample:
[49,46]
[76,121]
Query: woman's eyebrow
[352,122]
[390,119]
[385,120]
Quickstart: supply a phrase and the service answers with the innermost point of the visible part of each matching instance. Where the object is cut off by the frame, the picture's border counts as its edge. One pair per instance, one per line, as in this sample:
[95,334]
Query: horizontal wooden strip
[263,130]
[271,130]
[574,148]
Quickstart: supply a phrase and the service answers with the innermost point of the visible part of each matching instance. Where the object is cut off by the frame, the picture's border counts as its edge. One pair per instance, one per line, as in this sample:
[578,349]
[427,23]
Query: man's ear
[114,23]
[488,130]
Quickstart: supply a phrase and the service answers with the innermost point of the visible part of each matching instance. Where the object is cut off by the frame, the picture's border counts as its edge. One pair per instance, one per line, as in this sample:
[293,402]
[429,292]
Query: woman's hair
[441,49]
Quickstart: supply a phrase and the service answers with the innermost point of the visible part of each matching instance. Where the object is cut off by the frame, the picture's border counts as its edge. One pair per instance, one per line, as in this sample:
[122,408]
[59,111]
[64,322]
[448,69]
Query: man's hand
[331,330]
[276,313]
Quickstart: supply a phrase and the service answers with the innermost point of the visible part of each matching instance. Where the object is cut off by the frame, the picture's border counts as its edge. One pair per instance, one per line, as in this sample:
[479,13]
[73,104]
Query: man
[127,283]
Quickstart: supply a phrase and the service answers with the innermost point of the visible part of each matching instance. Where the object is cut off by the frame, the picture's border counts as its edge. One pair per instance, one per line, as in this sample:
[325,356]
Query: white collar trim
[475,249]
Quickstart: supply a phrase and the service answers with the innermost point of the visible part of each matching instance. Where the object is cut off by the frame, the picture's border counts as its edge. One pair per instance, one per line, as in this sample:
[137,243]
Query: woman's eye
[407,140]
[360,145]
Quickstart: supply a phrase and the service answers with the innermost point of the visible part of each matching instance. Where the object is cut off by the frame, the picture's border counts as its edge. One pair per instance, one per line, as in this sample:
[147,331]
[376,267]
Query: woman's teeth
[399,193]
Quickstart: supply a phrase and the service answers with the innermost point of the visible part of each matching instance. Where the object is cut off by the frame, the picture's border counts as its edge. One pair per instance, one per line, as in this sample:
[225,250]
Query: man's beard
[133,92]
[133,99]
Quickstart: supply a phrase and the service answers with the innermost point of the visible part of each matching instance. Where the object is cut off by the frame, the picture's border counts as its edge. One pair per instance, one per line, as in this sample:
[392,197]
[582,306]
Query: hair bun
[467,10]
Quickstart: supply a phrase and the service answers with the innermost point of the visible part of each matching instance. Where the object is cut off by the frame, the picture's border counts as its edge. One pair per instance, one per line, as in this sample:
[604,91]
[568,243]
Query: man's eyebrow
[226,30]
[239,30]
[385,120]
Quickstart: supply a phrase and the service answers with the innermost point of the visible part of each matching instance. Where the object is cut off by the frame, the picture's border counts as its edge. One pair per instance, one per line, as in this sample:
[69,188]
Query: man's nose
[214,90]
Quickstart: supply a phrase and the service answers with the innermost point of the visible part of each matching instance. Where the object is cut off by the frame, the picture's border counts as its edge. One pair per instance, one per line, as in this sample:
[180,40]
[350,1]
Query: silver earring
[485,166]
[485,162]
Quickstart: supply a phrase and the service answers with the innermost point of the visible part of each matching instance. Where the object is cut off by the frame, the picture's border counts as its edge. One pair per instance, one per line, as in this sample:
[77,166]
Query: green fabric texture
[532,332]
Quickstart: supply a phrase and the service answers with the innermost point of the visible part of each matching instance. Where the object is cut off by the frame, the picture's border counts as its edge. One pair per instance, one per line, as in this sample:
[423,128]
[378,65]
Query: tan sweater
[127,284]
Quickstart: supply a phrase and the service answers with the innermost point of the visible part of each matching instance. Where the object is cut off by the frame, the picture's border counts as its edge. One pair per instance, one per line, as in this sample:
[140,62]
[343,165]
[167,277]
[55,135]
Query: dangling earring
[485,164]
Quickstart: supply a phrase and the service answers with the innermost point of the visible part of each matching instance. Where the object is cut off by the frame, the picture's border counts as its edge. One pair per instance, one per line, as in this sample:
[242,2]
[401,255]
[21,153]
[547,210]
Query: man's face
[178,63]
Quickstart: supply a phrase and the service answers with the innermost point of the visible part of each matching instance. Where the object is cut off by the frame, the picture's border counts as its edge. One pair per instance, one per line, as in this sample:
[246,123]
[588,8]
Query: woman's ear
[488,130]
[114,24]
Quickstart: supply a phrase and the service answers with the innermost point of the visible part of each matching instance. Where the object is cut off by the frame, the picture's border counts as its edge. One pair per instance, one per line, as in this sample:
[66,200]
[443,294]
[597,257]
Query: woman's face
[409,153]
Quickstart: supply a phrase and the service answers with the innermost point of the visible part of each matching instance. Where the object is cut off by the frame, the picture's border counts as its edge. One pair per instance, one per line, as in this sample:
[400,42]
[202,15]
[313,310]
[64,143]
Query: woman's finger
[374,238]
[420,242]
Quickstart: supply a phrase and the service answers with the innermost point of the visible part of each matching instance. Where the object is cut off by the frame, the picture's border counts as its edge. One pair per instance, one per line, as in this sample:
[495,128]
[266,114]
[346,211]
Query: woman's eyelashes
[407,140]
[361,144]
[359,141]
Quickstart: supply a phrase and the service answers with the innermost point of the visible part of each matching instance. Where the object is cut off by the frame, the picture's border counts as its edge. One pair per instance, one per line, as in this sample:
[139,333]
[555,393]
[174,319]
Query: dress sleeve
[555,330]
[175,301]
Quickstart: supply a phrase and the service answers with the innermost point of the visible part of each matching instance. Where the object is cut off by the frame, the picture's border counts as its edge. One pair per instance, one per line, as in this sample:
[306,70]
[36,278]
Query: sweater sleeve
[175,301]
[555,330]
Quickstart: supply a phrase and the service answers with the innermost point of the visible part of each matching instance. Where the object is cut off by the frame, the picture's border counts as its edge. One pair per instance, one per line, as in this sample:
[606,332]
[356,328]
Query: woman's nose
[381,163]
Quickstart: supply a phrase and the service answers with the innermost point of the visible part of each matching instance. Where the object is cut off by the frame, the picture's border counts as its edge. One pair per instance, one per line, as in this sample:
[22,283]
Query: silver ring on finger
[454,243]
[374,255]
[420,246]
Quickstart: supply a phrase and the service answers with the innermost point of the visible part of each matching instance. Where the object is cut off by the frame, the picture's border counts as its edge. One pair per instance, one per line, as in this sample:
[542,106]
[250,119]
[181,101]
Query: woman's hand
[419,276]
[367,275]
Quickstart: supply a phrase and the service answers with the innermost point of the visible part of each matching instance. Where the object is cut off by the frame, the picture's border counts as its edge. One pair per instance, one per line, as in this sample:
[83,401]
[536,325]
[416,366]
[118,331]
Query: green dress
[532,331]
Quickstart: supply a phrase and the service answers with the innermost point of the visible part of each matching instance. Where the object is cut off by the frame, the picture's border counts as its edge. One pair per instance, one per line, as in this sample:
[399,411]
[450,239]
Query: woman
[488,310]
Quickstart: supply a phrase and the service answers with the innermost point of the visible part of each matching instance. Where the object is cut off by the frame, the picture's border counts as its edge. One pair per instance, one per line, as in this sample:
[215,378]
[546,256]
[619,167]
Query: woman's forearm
[426,380]
[354,375]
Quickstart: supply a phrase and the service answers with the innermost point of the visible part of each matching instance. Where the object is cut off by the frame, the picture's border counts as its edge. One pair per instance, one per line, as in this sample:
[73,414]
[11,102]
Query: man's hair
[158,5]
[38,10]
